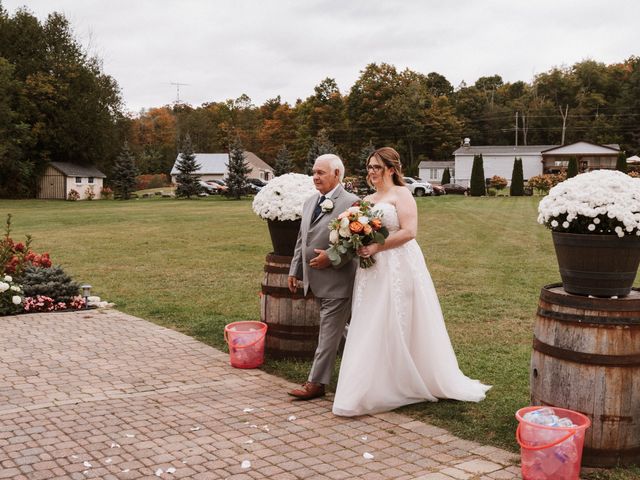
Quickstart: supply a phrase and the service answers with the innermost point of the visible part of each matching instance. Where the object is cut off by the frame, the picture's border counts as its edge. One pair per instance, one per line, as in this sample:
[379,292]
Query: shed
[432,170]
[60,178]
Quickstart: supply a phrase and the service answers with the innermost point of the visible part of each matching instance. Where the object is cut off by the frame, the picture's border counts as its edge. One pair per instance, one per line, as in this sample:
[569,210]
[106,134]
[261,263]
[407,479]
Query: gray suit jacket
[328,282]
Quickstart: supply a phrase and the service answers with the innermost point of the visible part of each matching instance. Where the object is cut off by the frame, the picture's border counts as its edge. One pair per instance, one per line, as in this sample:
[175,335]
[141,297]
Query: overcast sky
[265,48]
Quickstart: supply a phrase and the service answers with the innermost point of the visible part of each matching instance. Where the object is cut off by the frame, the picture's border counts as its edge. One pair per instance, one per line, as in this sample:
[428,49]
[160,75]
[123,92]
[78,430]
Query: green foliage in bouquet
[51,282]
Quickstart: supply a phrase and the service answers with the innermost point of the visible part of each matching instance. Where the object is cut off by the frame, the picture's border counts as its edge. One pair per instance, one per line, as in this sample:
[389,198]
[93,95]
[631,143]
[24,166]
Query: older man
[331,285]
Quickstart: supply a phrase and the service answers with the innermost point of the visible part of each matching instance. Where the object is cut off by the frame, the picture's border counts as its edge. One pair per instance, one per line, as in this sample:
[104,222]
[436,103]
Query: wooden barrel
[293,318]
[586,357]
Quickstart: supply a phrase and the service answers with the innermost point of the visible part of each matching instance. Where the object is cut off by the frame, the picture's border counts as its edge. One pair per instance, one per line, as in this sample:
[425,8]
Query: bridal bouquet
[356,227]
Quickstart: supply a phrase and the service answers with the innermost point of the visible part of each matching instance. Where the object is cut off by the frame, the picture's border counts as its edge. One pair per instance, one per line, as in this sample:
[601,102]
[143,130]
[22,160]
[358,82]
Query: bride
[398,350]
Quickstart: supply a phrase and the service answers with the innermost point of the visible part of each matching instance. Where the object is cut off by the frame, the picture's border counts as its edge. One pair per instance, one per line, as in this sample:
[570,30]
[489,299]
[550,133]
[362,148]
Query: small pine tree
[517,179]
[52,282]
[446,177]
[478,186]
[237,172]
[621,163]
[572,168]
[283,162]
[187,179]
[320,146]
[124,174]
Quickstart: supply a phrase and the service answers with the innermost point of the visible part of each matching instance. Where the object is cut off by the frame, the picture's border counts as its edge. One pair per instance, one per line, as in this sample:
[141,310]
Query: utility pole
[516,128]
[564,120]
[178,85]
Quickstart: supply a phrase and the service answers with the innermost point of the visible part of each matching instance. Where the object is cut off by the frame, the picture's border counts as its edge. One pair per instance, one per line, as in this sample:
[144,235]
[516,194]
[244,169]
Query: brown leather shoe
[309,390]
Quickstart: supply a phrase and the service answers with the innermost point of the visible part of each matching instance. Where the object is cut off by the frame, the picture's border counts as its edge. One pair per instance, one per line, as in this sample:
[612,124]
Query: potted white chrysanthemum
[595,222]
[280,203]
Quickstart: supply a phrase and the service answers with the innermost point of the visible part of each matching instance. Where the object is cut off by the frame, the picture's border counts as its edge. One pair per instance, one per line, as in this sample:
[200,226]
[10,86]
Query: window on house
[90,179]
[433,173]
[78,179]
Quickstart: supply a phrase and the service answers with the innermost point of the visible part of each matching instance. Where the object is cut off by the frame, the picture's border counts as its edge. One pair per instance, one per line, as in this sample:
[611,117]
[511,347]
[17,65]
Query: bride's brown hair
[390,159]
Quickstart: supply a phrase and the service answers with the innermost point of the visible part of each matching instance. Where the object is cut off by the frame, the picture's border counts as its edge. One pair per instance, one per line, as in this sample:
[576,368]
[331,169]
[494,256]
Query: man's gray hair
[334,163]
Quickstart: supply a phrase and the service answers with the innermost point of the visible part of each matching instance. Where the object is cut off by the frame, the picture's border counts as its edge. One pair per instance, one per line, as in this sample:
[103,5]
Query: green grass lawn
[197,265]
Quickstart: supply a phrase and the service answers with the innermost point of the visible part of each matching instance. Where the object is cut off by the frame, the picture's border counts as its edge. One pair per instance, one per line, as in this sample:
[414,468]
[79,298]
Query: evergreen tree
[361,173]
[572,168]
[187,179]
[237,172]
[124,174]
[320,146]
[621,163]
[446,177]
[478,186]
[517,179]
[283,162]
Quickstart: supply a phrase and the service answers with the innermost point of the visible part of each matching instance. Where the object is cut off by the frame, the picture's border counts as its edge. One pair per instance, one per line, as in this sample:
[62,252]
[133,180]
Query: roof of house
[436,164]
[216,163]
[633,159]
[584,148]
[73,170]
[587,147]
[502,149]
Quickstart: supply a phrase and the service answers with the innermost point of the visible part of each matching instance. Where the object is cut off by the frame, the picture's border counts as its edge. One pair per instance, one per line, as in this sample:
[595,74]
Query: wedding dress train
[398,350]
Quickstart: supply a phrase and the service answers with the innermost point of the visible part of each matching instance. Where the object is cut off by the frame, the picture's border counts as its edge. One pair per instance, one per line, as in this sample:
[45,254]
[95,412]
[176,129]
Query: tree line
[56,104]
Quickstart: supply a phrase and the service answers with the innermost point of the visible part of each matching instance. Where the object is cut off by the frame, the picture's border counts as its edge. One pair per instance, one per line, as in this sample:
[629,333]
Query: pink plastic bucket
[246,343]
[551,453]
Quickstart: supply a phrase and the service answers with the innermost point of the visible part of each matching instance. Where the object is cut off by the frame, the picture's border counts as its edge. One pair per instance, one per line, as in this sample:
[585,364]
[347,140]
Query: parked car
[417,187]
[438,190]
[454,188]
[222,187]
[208,188]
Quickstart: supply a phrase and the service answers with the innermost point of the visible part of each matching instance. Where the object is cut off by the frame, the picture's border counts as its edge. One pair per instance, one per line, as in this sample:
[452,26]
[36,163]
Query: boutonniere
[326,206]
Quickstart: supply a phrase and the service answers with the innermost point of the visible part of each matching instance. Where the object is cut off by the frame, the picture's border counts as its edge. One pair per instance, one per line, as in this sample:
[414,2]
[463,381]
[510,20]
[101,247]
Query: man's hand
[321,261]
[293,283]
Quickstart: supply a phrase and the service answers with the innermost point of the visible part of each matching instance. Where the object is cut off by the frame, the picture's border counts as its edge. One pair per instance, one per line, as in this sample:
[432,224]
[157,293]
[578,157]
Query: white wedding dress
[398,350]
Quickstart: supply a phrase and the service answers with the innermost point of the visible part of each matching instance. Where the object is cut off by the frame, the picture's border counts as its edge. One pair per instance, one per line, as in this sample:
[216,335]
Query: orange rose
[356,227]
[375,223]
[367,229]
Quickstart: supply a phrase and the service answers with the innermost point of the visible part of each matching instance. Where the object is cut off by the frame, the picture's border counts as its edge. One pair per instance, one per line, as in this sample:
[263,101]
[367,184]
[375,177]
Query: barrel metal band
[284,292]
[592,319]
[293,332]
[587,358]
[274,269]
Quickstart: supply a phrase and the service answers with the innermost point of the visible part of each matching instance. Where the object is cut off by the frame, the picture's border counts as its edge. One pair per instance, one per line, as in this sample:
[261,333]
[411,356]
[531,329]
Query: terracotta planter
[598,265]
[284,234]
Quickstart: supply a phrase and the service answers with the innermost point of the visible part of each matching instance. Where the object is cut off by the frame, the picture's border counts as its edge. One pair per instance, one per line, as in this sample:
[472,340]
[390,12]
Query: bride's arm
[408,220]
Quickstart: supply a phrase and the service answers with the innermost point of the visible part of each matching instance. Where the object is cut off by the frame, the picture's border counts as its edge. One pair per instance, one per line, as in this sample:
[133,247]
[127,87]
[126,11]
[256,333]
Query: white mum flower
[565,224]
[591,227]
[16,300]
[8,278]
[554,223]
[4,287]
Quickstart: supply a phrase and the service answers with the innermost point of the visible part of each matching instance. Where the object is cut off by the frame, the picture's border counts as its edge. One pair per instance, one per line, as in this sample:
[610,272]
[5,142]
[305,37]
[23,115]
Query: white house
[536,159]
[432,171]
[213,166]
[60,178]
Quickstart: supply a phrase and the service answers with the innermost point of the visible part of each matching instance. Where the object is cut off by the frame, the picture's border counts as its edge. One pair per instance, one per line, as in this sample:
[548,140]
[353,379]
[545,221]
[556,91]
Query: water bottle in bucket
[551,441]
[246,343]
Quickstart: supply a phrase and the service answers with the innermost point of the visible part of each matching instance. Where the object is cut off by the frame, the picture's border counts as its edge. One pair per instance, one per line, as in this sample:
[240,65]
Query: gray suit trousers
[334,314]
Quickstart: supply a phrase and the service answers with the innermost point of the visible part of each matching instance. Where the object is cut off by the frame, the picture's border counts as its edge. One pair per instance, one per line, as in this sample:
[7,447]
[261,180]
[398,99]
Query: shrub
[621,162]
[152,180]
[11,296]
[42,303]
[544,183]
[73,195]
[572,168]
[89,193]
[498,182]
[50,282]
[478,187]
[517,179]
[106,192]
[15,257]
[446,177]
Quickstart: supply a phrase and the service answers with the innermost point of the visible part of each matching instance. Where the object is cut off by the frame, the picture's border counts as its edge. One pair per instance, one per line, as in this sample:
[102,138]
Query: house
[536,159]
[213,166]
[432,171]
[590,156]
[634,160]
[61,178]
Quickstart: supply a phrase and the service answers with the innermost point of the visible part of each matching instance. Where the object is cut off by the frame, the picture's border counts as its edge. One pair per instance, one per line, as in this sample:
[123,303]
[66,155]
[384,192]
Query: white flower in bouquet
[283,197]
[599,202]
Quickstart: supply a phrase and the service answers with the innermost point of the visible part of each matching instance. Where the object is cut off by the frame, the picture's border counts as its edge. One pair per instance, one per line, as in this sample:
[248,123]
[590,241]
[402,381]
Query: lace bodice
[389,215]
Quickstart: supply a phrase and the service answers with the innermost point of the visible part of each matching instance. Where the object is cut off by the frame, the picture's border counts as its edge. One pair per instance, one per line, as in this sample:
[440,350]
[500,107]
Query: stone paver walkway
[102,394]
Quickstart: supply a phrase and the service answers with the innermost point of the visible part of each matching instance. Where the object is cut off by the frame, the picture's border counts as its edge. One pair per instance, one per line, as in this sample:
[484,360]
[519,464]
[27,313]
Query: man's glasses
[375,168]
